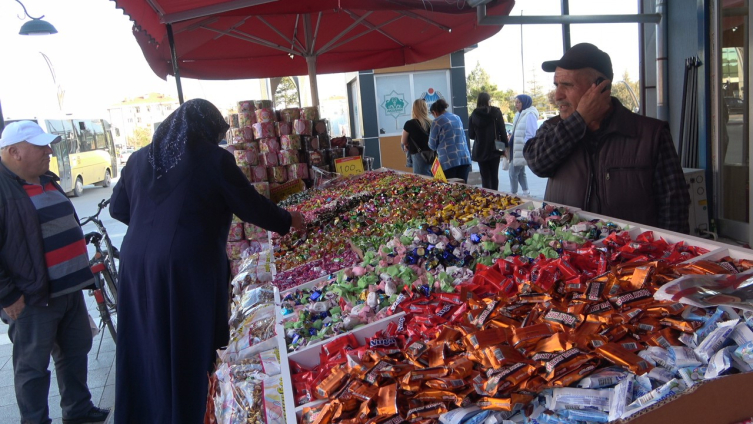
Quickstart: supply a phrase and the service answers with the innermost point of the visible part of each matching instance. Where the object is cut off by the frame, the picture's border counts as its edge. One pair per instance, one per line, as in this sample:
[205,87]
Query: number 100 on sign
[352,165]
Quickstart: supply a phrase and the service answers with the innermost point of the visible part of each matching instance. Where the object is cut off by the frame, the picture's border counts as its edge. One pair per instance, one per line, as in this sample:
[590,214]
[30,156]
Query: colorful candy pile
[430,259]
[488,352]
[367,211]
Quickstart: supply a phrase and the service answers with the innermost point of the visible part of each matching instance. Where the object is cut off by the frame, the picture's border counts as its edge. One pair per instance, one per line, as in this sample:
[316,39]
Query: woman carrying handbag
[486,126]
[415,139]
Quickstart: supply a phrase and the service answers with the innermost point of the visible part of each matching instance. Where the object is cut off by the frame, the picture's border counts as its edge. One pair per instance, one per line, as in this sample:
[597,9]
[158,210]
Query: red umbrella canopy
[266,38]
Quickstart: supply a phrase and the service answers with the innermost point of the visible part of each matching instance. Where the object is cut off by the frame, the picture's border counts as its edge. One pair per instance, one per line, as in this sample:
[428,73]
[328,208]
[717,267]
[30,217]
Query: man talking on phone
[601,157]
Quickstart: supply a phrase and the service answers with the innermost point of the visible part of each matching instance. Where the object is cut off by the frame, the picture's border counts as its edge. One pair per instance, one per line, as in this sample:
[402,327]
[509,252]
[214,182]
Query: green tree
[477,82]
[623,94]
[536,90]
[141,137]
[286,94]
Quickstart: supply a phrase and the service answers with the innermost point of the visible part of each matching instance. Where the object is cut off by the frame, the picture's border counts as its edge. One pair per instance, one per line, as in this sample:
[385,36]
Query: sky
[97,62]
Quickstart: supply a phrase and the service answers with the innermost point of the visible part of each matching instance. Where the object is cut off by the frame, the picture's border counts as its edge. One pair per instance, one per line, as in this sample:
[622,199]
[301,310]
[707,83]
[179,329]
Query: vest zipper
[625,167]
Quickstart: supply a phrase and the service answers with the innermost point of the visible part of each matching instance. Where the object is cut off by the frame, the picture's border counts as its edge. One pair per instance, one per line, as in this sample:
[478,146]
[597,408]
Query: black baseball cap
[579,56]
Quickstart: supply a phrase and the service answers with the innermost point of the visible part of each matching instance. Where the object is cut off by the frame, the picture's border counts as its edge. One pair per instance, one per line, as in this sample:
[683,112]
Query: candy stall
[413,300]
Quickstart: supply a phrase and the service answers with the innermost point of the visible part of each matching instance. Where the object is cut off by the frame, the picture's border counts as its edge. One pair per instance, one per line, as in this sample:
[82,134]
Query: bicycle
[104,269]
[109,253]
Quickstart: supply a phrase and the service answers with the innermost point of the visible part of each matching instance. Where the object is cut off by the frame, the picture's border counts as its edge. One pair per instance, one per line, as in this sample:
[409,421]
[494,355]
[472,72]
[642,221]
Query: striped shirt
[64,245]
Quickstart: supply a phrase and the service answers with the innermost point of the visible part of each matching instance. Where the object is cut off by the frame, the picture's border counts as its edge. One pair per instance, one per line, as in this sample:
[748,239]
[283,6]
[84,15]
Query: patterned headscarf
[525,100]
[194,121]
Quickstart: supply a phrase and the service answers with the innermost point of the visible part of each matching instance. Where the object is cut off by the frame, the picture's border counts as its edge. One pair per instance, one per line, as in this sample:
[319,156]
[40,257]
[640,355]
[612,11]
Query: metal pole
[311,59]
[2,119]
[661,63]
[565,27]
[174,57]
[522,64]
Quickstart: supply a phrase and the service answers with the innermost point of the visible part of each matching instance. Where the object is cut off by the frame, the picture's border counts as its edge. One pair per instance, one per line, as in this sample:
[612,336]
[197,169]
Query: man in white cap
[43,268]
[601,157]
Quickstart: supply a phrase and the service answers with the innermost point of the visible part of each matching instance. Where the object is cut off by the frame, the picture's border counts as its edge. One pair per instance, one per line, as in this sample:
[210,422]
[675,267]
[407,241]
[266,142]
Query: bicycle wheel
[110,290]
[111,255]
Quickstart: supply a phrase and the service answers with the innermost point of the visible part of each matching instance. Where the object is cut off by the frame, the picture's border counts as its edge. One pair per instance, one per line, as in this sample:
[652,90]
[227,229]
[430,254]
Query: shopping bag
[505,163]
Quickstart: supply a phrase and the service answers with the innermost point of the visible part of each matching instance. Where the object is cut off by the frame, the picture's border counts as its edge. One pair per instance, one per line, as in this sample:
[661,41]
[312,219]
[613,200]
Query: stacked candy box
[496,352]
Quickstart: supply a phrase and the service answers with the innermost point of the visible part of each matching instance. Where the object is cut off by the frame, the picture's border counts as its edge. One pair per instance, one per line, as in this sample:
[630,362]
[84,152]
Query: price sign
[436,169]
[279,193]
[352,165]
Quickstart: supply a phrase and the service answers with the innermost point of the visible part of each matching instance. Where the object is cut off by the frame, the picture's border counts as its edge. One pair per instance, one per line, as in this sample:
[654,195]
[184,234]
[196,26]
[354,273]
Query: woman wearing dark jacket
[178,195]
[485,125]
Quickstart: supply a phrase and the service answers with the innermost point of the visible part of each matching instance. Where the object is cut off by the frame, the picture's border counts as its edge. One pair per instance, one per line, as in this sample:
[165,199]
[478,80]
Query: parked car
[125,154]
[734,105]
[508,128]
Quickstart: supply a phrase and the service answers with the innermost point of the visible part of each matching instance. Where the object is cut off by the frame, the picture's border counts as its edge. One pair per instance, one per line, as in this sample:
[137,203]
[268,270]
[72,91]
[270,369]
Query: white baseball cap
[27,131]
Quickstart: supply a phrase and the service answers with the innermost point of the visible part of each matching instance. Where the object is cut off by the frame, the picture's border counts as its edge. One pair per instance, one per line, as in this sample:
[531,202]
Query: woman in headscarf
[178,195]
[485,126]
[524,127]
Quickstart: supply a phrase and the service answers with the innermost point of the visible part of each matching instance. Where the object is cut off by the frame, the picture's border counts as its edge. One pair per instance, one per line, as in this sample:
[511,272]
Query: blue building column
[458,86]
[367,91]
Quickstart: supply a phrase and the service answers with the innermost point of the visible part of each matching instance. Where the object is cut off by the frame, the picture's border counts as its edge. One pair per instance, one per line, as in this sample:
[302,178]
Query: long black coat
[481,129]
[174,275]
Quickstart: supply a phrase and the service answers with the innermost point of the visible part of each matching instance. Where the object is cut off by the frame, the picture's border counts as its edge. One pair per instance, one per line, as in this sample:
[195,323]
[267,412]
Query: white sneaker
[525,193]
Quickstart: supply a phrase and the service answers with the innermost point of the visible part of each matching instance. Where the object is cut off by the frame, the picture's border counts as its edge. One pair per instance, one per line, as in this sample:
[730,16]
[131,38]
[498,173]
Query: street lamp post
[36,26]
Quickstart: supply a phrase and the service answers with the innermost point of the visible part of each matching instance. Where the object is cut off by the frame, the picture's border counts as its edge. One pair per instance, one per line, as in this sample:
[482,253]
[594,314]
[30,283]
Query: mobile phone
[599,81]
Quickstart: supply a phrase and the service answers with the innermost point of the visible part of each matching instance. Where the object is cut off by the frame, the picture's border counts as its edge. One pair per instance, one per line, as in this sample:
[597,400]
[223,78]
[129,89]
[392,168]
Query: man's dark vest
[617,179]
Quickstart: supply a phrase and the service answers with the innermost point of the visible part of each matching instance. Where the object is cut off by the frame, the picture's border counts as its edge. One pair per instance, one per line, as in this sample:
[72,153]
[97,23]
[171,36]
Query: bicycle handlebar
[103,204]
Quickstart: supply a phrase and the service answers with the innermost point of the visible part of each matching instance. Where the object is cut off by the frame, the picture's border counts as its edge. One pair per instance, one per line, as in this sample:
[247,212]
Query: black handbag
[499,144]
[427,155]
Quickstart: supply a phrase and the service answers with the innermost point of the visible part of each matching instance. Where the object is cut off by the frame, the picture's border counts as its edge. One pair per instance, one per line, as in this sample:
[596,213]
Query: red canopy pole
[174,57]
[311,62]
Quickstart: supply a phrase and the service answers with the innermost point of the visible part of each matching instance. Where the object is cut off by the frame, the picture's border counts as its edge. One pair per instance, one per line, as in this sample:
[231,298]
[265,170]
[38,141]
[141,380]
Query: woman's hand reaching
[298,222]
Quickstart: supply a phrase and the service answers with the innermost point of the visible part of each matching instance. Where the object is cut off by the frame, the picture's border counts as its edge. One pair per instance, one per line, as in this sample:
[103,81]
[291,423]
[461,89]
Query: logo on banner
[394,104]
[431,96]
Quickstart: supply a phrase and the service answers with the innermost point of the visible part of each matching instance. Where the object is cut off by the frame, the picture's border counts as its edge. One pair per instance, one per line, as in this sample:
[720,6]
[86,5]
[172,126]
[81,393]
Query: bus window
[85,136]
[97,130]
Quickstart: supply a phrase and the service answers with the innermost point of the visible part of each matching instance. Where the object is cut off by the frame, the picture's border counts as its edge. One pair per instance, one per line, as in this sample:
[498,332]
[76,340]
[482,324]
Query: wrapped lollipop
[264,104]
[236,248]
[246,106]
[321,127]
[246,119]
[247,133]
[240,157]
[269,159]
[252,154]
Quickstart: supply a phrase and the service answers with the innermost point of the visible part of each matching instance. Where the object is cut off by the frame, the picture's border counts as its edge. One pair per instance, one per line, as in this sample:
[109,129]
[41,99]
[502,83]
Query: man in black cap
[601,157]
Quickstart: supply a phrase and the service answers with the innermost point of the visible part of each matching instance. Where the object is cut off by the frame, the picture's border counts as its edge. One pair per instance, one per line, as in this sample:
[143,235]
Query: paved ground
[536,185]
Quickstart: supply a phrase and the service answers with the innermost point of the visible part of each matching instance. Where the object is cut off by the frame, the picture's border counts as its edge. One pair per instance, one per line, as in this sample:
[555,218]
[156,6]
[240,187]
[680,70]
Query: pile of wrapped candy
[429,259]
[366,211]
[604,337]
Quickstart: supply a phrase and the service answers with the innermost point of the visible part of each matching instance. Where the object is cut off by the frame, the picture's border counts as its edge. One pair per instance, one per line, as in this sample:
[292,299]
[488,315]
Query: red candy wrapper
[290,114]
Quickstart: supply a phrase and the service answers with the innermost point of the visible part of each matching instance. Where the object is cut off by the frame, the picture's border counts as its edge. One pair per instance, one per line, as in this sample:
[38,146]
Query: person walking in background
[524,127]
[447,137]
[486,125]
[43,268]
[416,136]
[178,196]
